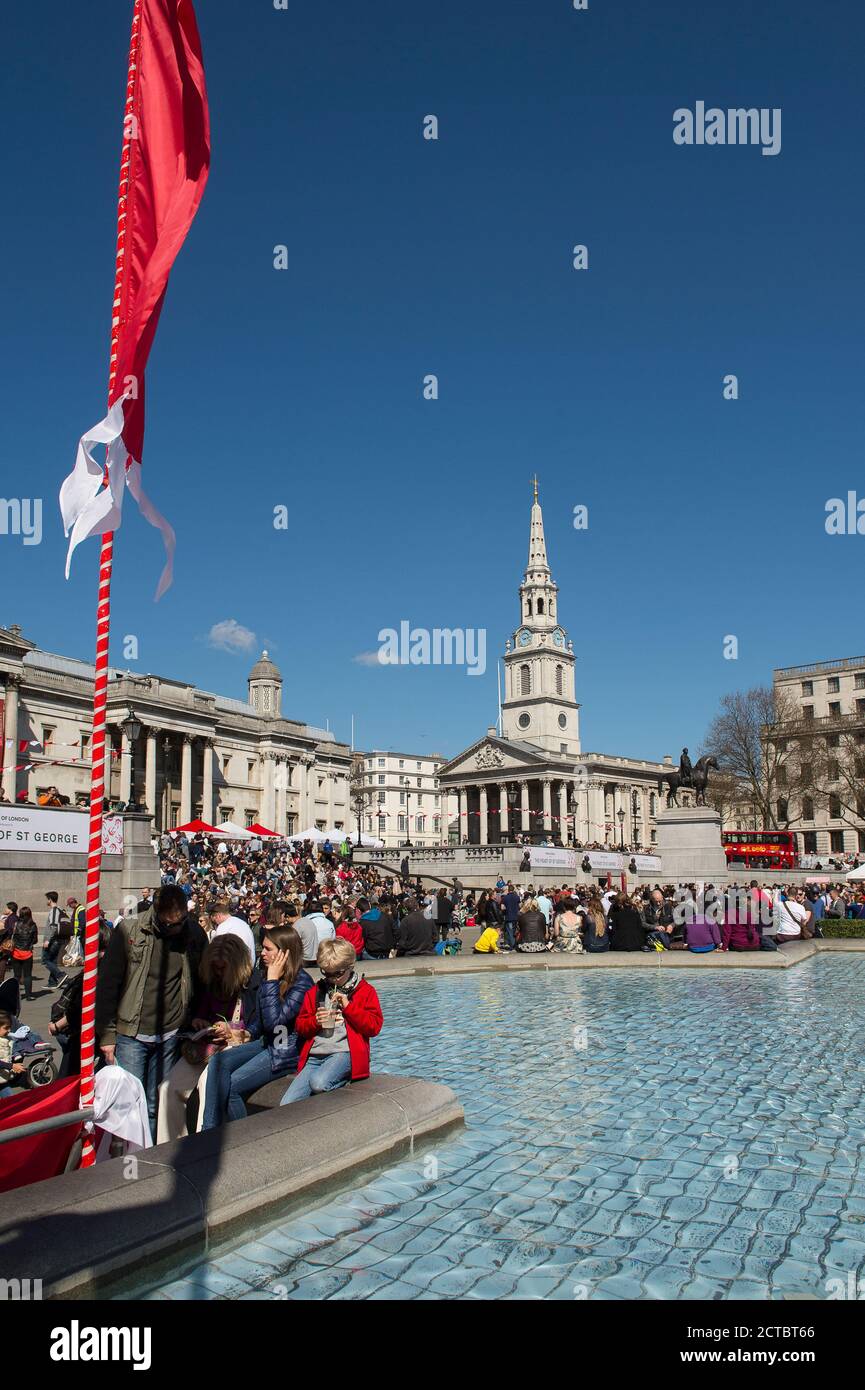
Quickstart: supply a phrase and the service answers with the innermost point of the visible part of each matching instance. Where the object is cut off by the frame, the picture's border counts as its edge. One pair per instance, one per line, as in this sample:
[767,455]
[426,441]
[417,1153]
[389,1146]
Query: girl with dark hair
[25,934]
[271,1051]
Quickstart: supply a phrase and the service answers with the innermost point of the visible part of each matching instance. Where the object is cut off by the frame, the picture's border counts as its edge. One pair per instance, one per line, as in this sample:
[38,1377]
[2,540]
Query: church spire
[537,542]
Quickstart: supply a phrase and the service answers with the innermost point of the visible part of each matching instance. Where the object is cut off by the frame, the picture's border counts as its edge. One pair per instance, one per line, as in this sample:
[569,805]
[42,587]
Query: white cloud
[369,659]
[231,636]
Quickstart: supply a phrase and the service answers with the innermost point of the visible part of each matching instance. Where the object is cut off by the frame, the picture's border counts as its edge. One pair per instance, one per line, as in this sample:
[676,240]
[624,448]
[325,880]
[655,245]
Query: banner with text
[545,857]
[37,830]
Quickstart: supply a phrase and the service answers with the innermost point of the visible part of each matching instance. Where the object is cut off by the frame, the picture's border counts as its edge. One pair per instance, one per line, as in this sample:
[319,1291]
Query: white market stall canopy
[229,831]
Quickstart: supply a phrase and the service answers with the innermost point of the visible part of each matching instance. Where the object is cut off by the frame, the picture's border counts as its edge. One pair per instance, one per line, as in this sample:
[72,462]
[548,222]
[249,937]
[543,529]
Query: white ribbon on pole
[89,508]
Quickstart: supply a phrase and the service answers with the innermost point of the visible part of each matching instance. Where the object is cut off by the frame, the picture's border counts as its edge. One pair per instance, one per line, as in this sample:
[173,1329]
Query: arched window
[540,605]
[525,680]
[528,608]
[652,803]
[560,680]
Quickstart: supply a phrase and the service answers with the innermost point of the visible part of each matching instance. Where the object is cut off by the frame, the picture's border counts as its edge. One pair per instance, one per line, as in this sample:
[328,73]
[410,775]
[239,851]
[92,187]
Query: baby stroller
[37,1056]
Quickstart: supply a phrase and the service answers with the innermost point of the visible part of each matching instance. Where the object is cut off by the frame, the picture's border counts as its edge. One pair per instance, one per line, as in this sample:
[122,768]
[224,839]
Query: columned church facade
[533,779]
[197,754]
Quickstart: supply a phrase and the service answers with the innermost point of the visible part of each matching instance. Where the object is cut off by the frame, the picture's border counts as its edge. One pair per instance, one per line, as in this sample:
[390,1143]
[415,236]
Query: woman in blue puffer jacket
[271,1050]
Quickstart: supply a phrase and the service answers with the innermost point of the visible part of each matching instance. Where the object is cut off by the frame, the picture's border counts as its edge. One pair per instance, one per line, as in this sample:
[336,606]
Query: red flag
[168,138]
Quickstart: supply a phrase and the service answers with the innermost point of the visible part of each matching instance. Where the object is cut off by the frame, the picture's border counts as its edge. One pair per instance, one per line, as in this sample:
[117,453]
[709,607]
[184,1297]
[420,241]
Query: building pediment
[493,755]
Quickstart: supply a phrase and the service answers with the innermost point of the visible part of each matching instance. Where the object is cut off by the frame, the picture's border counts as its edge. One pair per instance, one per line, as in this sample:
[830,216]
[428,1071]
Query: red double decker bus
[760,849]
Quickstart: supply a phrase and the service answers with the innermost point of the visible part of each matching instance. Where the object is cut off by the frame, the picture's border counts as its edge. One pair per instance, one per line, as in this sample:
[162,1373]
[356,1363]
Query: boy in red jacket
[337,1018]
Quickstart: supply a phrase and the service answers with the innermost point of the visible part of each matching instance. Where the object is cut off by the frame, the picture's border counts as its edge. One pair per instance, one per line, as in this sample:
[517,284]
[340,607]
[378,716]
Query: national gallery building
[194,755]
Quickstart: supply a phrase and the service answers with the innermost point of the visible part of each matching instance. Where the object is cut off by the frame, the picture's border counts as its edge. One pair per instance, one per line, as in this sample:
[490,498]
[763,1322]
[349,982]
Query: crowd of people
[244,965]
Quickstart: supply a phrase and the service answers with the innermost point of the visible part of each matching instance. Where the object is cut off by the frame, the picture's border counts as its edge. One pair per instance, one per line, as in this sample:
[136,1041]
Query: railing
[74,1117]
[846,664]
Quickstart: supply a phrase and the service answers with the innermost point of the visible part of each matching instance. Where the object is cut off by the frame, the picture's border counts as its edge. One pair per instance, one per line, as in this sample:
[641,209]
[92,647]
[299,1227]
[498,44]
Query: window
[860,706]
[369,824]
[834,807]
[225,814]
[226,763]
[834,685]
[836,841]
[292,826]
[782,776]
[807,808]
[437,825]
[832,770]
[525,680]
[420,767]
[860,680]
[809,842]
[250,771]
[833,741]
[85,747]
[808,712]
[560,680]
[401,824]
[654,836]
[524,721]
[782,809]
[652,803]
[381,779]
[402,762]
[382,824]
[402,798]
[834,708]
[436,799]
[540,605]
[419,798]
[563,721]
[420,781]
[563,748]
[381,762]
[781,745]
[47,738]
[807,687]
[250,818]
[420,822]
[860,807]
[381,797]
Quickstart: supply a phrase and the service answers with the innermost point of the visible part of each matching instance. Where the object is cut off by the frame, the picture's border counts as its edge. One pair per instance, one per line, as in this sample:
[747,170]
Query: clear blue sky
[407,257]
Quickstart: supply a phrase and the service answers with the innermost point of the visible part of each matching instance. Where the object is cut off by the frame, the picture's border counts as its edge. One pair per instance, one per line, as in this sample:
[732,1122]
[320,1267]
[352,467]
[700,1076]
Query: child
[488,942]
[10,1069]
[337,1018]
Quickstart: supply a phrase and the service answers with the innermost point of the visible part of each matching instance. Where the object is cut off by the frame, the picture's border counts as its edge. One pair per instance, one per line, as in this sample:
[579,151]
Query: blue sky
[408,257]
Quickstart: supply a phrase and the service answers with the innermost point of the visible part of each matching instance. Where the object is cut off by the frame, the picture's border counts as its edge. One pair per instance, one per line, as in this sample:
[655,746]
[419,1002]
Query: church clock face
[524,638]
[559,637]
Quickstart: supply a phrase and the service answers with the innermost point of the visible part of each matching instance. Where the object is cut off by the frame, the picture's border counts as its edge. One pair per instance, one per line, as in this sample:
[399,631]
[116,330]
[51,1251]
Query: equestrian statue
[695,776]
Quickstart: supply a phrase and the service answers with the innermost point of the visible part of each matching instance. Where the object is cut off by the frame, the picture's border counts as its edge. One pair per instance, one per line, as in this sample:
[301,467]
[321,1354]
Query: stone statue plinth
[689,843]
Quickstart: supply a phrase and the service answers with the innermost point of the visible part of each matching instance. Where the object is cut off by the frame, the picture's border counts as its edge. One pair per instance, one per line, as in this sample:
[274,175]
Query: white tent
[856,874]
[229,831]
[313,833]
[366,841]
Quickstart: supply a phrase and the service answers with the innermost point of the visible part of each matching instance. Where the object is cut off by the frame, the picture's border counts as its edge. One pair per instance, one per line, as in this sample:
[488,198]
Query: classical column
[525,818]
[548,805]
[266,808]
[207,780]
[563,812]
[10,732]
[150,773]
[597,812]
[484,826]
[463,832]
[504,827]
[125,766]
[186,779]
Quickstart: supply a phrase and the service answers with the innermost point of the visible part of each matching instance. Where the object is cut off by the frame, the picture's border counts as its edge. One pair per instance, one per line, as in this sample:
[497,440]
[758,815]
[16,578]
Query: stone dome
[264,669]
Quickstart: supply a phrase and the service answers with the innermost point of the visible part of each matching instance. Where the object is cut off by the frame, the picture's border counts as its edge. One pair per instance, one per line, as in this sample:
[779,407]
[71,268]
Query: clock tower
[540,704]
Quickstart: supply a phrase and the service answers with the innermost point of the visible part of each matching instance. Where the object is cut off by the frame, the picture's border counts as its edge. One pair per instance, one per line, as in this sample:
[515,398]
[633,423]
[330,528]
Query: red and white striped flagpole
[103,623]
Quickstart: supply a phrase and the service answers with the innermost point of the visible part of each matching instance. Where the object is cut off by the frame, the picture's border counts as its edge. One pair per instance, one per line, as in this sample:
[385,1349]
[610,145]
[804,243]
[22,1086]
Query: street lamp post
[407,842]
[512,801]
[131,727]
[621,815]
[358,811]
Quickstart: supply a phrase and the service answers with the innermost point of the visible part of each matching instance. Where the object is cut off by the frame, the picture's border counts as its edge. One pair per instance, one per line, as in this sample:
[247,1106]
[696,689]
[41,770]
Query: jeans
[320,1074]
[55,972]
[151,1063]
[233,1075]
[511,935]
[23,970]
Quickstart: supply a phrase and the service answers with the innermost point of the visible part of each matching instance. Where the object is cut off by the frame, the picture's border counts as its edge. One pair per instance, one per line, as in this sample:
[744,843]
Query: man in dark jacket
[443,912]
[511,908]
[145,988]
[416,934]
[377,928]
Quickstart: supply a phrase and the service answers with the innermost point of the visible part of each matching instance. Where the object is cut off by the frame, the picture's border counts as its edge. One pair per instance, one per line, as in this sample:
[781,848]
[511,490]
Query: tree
[760,738]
